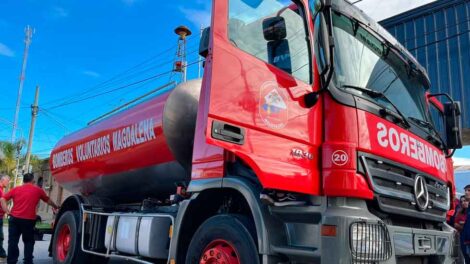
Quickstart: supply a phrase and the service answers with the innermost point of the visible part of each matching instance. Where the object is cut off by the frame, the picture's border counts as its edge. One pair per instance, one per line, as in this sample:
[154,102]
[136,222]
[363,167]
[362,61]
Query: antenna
[27,41]
[181,63]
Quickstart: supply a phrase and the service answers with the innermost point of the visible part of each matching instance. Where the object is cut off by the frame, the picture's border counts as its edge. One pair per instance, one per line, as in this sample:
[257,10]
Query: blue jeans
[465,250]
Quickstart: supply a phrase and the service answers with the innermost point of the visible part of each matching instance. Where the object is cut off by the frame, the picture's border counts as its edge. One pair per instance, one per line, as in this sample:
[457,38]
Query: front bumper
[407,244]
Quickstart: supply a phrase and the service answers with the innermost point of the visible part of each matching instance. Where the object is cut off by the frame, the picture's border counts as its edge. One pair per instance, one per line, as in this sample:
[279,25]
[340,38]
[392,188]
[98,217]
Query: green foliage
[8,153]
[8,157]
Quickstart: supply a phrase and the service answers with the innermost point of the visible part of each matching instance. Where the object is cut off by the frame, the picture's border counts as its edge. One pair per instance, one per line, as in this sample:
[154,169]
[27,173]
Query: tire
[228,236]
[67,227]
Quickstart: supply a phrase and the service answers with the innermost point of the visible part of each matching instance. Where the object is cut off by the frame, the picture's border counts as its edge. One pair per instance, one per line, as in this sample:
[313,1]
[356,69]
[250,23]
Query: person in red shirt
[459,223]
[23,217]
[461,215]
[4,182]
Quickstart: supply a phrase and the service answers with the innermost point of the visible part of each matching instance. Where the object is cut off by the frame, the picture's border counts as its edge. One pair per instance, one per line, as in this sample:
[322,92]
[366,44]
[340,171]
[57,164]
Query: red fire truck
[312,138]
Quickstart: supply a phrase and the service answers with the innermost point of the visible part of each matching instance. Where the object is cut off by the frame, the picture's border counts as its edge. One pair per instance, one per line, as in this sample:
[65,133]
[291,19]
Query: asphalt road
[41,254]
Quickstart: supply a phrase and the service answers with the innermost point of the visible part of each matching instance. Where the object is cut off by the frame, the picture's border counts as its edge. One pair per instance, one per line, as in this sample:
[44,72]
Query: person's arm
[48,200]
[51,203]
[7,197]
[4,205]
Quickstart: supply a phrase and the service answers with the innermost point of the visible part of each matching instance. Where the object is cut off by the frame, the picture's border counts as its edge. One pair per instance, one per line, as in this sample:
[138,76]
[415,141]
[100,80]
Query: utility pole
[34,114]
[19,146]
[27,41]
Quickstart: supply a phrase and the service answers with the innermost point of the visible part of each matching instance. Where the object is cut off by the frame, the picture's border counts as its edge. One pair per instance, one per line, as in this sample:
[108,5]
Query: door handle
[226,132]
[231,134]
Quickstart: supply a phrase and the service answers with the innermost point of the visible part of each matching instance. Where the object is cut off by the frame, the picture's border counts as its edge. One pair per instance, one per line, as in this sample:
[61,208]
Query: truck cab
[330,105]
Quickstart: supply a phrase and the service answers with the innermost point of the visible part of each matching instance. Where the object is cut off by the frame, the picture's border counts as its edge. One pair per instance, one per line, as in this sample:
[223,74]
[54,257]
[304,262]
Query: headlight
[369,242]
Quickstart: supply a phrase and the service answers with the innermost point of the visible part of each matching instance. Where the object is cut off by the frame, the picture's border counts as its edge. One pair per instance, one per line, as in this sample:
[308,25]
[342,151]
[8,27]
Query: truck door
[260,67]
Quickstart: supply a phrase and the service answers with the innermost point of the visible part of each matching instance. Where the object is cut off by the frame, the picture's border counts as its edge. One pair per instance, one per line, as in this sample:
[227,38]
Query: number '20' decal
[339,157]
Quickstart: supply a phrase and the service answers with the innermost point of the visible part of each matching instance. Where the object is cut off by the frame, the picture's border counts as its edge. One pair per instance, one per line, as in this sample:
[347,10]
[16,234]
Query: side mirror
[274,28]
[204,43]
[453,126]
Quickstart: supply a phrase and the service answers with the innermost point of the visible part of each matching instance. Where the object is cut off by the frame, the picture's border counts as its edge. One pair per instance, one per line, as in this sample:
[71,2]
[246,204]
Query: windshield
[362,60]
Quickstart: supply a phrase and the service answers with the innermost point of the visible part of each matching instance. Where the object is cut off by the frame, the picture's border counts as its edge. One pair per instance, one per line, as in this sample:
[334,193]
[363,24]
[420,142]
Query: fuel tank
[142,152]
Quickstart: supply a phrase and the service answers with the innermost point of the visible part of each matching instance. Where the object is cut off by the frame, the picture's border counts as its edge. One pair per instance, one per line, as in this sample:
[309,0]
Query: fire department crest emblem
[273,108]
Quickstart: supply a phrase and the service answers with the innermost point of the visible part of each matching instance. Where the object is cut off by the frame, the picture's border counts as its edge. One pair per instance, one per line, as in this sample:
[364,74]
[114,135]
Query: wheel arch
[235,185]
[72,202]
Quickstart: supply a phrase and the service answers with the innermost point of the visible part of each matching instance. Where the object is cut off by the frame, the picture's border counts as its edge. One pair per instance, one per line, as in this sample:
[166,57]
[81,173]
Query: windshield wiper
[422,122]
[436,137]
[398,116]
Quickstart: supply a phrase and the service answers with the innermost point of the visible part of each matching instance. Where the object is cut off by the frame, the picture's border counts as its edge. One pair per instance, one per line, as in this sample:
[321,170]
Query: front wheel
[66,246]
[223,239]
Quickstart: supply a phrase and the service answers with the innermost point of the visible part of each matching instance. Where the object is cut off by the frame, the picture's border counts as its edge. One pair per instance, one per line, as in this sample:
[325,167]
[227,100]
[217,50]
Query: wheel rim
[63,242]
[218,252]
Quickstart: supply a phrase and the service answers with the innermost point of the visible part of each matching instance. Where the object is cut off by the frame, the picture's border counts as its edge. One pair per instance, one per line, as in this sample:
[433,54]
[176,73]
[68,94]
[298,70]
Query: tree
[7,158]
[8,153]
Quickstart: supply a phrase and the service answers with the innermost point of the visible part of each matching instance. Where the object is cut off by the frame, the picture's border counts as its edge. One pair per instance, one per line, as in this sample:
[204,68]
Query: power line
[441,40]
[10,108]
[110,91]
[130,78]
[435,31]
[131,103]
[74,118]
[46,112]
[100,85]
[48,115]
[120,80]
[118,88]
[43,150]
[114,78]
[108,103]
[153,67]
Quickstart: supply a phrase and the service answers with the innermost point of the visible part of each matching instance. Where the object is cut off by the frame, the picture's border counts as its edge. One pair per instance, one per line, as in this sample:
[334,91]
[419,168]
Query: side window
[290,53]
[438,120]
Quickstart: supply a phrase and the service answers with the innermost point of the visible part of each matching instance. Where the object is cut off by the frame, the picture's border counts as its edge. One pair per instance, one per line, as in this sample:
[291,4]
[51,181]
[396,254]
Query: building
[44,179]
[438,35]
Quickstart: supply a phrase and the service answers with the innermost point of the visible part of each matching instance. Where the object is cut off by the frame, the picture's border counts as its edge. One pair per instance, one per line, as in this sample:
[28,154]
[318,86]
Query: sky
[77,45]
[379,9]
[84,48]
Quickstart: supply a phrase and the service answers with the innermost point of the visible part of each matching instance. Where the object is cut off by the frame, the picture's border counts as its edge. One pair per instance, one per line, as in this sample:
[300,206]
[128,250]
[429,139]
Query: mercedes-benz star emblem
[421,193]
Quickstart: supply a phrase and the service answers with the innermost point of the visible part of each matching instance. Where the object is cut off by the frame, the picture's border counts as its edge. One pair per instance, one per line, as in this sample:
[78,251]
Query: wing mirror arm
[326,9]
[323,6]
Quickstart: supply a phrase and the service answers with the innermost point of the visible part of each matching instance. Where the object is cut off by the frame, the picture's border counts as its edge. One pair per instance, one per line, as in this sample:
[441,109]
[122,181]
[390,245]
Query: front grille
[393,186]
